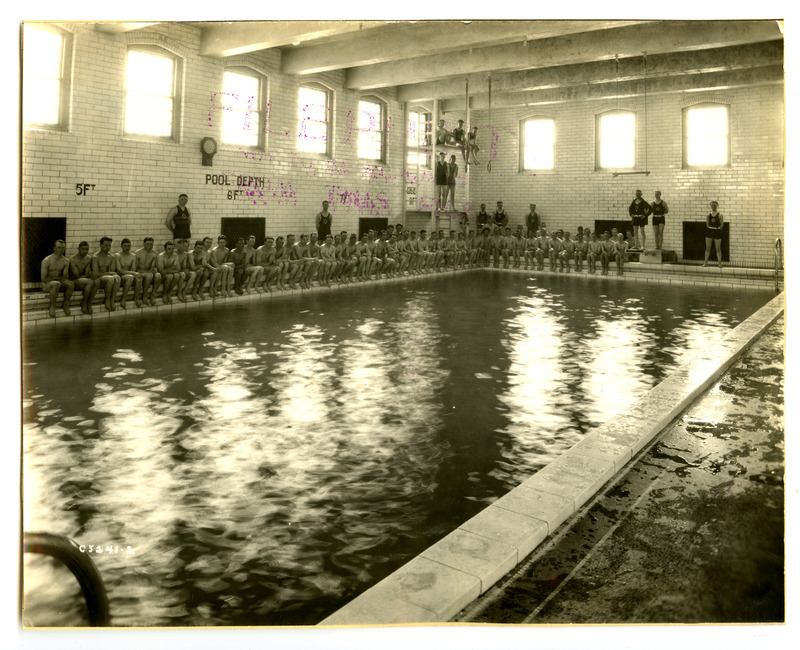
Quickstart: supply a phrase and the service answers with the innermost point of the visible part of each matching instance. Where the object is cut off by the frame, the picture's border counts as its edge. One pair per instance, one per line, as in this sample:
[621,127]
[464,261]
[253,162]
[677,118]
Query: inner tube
[83,568]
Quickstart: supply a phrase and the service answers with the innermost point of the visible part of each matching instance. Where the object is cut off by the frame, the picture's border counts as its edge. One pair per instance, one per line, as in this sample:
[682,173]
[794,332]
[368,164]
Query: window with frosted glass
[616,140]
[243,107]
[706,136]
[44,79]
[313,116]
[150,94]
[370,130]
[538,137]
[419,129]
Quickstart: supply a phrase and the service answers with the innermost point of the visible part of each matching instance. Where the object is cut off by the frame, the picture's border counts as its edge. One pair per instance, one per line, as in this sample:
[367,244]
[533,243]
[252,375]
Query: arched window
[371,128]
[615,140]
[244,100]
[314,119]
[537,143]
[46,64]
[706,135]
[152,97]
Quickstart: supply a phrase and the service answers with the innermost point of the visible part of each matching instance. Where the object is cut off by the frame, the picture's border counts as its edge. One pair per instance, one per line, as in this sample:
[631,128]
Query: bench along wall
[128,184]
[750,191]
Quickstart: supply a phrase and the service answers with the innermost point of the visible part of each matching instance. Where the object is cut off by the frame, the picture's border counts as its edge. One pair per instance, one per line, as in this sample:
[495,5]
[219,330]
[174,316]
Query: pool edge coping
[437,584]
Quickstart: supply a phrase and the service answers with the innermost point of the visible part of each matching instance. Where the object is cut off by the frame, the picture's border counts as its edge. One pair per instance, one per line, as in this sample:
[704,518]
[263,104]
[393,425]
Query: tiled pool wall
[442,580]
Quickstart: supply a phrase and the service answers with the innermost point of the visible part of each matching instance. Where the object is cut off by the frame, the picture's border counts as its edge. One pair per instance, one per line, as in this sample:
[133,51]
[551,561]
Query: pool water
[266,462]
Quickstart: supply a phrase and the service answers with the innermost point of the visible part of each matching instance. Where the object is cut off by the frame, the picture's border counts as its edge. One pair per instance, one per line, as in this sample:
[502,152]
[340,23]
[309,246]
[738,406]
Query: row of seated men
[217,271]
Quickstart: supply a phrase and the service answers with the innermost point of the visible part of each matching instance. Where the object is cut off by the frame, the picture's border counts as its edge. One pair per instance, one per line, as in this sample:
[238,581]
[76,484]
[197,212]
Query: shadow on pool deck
[691,532]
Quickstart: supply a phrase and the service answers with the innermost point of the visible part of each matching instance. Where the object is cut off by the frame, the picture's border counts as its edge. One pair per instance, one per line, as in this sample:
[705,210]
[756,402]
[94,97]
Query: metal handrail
[778,261]
[68,553]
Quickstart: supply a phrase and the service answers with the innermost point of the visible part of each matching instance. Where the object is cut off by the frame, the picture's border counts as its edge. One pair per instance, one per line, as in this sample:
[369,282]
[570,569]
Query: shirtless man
[608,250]
[508,249]
[218,258]
[519,247]
[252,270]
[436,252]
[581,249]
[556,246]
[80,272]
[265,259]
[593,253]
[146,267]
[364,258]
[460,252]
[238,257]
[620,253]
[296,261]
[350,258]
[426,255]
[412,248]
[126,267]
[327,261]
[104,270]
[567,253]
[496,246]
[198,262]
[281,261]
[188,274]
[542,248]
[55,278]
[169,267]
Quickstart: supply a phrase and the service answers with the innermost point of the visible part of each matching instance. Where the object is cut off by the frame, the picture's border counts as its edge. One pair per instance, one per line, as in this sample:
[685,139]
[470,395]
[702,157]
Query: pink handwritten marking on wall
[375,204]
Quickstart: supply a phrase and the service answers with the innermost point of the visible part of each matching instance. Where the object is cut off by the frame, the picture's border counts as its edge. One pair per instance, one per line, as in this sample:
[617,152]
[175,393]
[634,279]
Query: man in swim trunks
[620,253]
[608,252]
[168,266]
[146,266]
[281,261]
[265,259]
[80,272]
[639,210]
[179,220]
[324,221]
[198,262]
[452,174]
[500,217]
[497,244]
[104,270]
[441,181]
[714,224]
[126,267]
[567,253]
[660,211]
[218,258]
[238,257]
[556,247]
[188,275]
[532,221]
[55,278]
[593,253]
[252,271]
[581,249]
[482,219]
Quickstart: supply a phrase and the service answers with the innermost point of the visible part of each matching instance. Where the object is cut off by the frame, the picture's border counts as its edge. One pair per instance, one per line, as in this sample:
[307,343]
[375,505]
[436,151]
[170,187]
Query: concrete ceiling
[529,62]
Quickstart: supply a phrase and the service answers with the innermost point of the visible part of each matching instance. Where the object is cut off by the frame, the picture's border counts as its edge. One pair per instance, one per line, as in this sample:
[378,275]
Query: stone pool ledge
[442,580]
[34,305]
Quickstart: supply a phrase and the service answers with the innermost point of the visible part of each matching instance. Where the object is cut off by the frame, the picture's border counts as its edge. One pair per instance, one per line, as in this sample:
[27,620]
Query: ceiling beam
[432,37]
[653,38]
[771,74]
[725,58]
[228,39]
[120,28]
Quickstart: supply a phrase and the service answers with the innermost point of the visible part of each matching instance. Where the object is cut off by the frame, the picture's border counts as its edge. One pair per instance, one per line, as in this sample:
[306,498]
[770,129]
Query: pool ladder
[778,262]
[68,553]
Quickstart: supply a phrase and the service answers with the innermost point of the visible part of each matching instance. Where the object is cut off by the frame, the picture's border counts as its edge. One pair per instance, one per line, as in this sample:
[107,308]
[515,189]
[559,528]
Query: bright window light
[539,137]
[370,130]
[707,136]
[42,80]
[418,136]
[313,117]
[242,116]
[150,95]
[617,140]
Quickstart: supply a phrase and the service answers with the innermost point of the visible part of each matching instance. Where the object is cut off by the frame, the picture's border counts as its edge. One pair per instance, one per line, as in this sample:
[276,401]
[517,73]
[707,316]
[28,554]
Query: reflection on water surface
[268,462]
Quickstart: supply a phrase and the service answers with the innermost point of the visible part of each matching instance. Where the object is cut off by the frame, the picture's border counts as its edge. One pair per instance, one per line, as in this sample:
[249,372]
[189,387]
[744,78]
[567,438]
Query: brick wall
[750,192]
[138,181]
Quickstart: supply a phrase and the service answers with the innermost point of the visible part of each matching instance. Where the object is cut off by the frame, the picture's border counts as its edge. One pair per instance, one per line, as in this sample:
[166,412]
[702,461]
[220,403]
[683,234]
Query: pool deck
[34,304]
[438,584]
